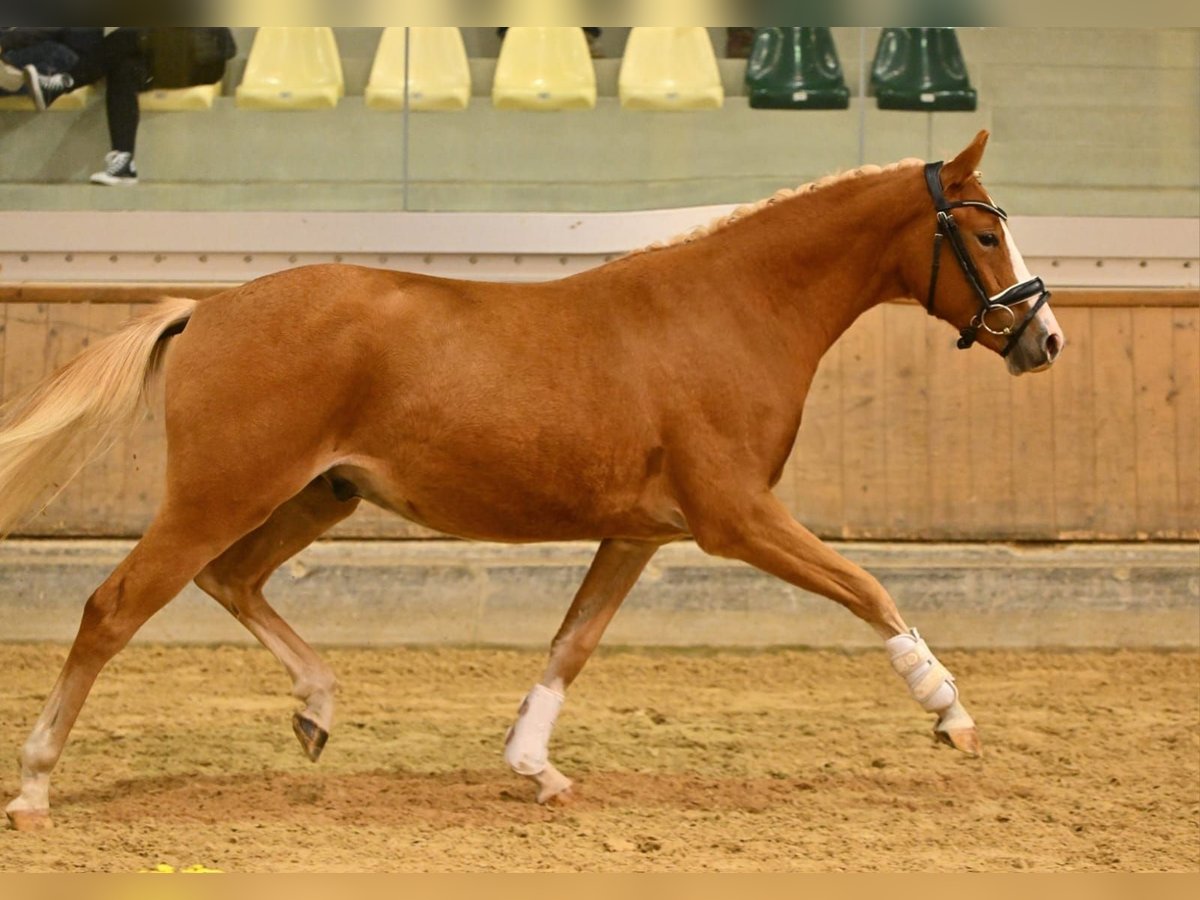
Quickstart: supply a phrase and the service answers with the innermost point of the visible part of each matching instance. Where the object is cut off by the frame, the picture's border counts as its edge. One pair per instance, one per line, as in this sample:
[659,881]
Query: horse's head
[978,281]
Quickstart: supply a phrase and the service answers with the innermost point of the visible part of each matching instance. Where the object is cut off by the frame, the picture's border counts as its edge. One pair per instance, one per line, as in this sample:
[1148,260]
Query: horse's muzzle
[1037,350]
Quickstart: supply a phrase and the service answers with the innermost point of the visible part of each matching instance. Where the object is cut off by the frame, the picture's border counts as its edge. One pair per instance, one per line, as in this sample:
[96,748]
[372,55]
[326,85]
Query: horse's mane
[750,209]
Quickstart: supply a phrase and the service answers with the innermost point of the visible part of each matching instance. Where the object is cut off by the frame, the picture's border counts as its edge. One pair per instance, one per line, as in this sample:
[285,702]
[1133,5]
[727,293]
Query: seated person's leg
[128,76]
[90,65]
[47,58]
[46,88]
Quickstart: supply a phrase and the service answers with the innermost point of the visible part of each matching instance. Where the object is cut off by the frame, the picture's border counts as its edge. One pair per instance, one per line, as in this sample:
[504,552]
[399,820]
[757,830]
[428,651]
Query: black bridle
[947,229]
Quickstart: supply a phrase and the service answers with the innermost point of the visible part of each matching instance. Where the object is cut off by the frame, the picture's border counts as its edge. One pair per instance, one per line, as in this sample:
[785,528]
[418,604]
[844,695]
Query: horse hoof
[30,819]
[963,739]
[563,798]
[554,788]
[312,737]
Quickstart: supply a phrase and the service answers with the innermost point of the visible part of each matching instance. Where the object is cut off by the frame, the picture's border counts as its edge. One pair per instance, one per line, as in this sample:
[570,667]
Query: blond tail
[48,433]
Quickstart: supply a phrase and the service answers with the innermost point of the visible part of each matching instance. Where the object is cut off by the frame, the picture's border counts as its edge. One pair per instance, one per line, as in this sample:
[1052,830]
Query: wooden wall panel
[25,357]
[990,462]
[1074,440]
[25,345]
[949,437]
[864,427]
[1031,425]
[906,510]
[1186,347]
[1115,423]
[904,437]
[1154,419]
[818,497]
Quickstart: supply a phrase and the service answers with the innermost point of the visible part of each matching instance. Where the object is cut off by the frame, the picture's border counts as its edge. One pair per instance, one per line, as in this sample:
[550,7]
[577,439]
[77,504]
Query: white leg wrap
[930,683]
[526,749]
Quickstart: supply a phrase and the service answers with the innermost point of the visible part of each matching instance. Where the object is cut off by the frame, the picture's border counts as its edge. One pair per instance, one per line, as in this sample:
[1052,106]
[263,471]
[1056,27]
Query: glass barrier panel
[1084,122]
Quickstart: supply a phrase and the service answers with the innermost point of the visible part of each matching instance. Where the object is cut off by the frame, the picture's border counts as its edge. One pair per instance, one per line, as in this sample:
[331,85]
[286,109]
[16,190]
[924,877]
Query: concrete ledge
[446,592]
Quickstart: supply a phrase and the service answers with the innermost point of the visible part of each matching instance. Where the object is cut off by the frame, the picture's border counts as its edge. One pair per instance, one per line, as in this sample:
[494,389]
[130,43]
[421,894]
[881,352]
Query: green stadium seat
[793,67]
[921,69]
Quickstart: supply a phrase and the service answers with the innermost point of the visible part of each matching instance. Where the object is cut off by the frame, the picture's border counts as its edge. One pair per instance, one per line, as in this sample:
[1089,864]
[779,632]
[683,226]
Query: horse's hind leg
[613,573]
[236,578]
[175,547]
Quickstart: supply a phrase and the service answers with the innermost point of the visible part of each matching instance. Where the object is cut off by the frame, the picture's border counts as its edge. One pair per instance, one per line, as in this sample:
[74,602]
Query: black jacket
[78,39]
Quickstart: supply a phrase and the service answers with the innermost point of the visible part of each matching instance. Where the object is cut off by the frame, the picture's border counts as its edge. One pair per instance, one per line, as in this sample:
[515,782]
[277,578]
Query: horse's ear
[959,170]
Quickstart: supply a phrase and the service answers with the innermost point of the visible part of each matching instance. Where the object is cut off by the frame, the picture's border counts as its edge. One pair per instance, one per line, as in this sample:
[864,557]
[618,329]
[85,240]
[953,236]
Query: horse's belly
[489,503]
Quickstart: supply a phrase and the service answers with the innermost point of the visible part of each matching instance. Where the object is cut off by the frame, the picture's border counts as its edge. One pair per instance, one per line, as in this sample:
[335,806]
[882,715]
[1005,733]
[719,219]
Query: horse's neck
[811,266]
[785,282]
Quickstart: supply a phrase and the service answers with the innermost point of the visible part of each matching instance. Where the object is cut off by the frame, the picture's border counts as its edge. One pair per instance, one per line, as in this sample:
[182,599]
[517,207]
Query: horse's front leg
[761,532]
[614,571]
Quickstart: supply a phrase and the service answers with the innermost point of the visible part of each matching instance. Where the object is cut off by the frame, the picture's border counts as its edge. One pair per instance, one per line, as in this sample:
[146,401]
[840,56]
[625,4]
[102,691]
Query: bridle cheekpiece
[947,229]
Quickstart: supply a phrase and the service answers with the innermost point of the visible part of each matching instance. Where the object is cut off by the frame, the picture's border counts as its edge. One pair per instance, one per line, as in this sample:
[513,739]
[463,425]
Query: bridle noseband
[947,228]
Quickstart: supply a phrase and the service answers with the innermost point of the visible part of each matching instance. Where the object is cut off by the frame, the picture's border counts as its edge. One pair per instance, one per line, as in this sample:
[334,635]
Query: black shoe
[45,89]
[118,170]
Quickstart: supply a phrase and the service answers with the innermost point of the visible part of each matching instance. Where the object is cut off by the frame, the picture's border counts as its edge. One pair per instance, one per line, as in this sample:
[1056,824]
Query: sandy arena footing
[683,760]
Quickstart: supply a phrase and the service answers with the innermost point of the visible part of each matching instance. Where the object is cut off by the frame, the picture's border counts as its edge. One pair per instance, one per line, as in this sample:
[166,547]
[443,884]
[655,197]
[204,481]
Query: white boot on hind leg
[932,685]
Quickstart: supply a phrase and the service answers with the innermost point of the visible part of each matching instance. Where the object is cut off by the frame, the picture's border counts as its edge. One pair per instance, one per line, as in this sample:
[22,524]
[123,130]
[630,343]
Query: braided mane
[750,209]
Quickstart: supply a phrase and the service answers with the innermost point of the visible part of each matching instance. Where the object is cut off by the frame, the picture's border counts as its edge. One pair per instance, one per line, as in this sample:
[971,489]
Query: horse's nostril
[1053,346]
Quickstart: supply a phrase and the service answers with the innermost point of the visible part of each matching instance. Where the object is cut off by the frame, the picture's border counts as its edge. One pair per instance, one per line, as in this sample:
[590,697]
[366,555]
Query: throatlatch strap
[937,265]
[930,683]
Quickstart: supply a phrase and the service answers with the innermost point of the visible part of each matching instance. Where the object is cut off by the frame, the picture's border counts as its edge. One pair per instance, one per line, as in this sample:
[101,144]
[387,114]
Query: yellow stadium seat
[670,68]
[292,68]
[544,68]
[77,99]
[188,99]
[439,75]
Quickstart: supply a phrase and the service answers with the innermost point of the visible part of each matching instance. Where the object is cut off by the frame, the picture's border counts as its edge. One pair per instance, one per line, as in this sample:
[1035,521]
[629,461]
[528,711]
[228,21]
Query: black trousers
[121,61]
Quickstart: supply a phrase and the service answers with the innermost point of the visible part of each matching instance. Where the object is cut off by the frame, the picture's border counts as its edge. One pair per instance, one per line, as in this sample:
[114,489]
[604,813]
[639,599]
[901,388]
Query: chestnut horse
[651,399]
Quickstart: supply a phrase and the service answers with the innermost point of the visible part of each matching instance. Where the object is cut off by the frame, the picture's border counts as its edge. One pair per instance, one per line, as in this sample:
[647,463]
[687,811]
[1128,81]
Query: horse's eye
[988,239]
